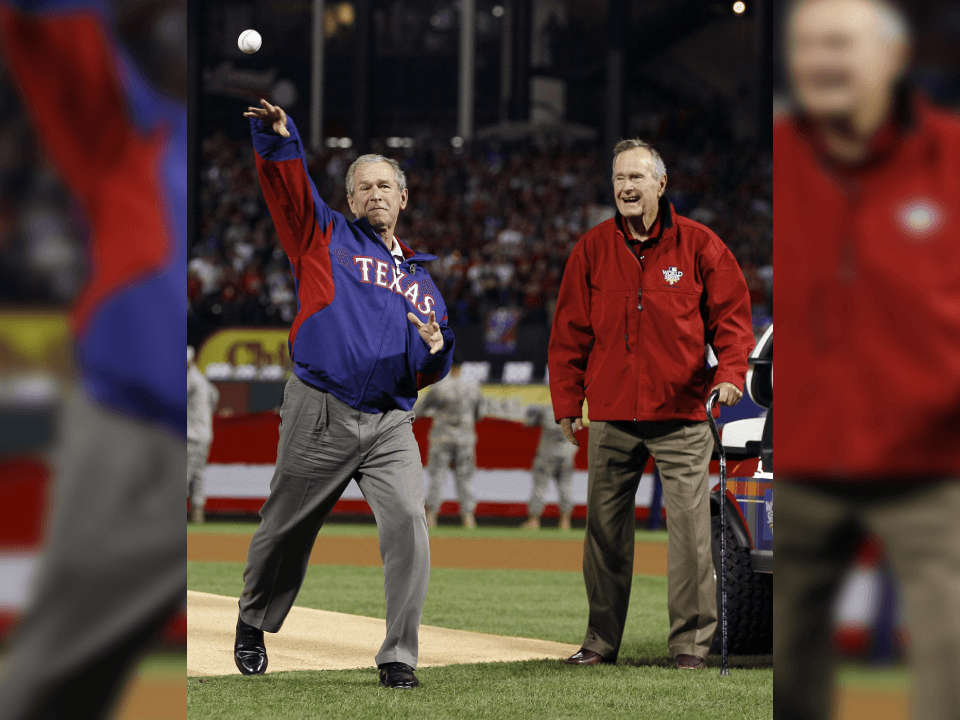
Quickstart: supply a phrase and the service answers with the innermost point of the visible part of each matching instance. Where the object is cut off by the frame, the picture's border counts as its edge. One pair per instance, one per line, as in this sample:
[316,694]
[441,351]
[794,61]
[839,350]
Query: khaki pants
[818,531]
[618,452]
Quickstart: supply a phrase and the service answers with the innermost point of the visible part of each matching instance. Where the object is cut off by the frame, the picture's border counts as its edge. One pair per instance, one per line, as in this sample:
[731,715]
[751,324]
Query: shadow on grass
[366,678]
[734,662]
[294,680]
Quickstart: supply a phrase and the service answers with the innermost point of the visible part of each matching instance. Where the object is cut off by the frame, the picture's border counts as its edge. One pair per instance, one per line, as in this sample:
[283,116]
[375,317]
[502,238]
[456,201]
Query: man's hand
[729,394]
[569,426]
[429,331]
[272,116]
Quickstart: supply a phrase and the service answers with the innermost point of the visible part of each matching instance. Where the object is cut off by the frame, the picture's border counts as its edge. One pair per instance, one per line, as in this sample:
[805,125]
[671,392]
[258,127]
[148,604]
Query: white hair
[397,172]
[659,168]
[892,23]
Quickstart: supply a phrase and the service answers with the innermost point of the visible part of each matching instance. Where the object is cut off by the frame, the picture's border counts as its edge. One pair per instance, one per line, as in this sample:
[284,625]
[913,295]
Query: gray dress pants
[324,444]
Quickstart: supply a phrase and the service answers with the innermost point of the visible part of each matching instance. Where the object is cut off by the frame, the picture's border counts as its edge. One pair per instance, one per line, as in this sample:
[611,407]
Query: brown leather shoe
[690,662]
[585,657]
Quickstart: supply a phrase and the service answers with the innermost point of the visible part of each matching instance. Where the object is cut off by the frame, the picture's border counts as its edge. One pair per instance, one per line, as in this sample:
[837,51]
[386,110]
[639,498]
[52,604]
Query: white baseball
[249,41]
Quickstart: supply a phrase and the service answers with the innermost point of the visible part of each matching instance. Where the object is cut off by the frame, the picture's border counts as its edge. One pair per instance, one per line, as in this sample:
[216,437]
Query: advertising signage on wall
[35,341]
[246,346]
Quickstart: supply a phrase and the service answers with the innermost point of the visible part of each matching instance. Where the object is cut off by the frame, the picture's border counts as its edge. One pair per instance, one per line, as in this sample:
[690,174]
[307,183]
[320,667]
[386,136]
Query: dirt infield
[650,558]
[322,640]
[153,699]
[854,703]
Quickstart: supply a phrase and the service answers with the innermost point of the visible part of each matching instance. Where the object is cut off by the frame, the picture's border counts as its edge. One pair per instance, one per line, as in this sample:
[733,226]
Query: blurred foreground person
[455,406]
[867,197]
[202,399]
[113,568]
[553,461]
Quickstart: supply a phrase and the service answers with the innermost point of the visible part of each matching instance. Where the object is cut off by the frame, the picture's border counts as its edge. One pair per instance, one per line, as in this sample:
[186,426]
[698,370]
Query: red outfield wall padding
[501,444]
[249,439]
[251,506]
[175,631]
[8,618]
[23,503]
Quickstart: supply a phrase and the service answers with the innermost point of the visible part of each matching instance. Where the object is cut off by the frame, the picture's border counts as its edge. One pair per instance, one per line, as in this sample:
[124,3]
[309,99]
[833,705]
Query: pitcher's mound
[322,640]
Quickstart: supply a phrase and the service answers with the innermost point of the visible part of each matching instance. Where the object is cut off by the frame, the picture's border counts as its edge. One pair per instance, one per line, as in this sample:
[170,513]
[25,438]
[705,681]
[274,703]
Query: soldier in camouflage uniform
[455,407]
[202,399]
[554,461]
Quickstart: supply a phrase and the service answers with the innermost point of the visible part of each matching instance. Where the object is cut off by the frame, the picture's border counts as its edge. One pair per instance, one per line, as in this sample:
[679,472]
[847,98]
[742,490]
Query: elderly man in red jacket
[642,295]
[867,197]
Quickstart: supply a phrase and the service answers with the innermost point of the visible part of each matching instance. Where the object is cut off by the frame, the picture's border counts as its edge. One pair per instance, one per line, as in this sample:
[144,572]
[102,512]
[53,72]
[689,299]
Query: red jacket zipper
[626,329]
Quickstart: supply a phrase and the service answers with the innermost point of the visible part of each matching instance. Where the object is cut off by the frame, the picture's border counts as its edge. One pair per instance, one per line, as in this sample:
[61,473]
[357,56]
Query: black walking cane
[711,401]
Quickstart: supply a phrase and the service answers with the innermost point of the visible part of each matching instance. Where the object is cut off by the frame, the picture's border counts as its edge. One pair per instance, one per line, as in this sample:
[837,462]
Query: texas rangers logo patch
[672,275]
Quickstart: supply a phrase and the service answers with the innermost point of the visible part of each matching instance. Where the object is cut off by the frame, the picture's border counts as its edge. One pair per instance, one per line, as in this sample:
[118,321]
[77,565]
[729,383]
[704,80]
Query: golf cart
[748,449]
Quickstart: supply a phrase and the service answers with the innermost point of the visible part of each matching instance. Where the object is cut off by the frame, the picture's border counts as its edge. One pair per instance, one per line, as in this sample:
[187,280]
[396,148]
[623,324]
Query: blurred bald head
[845,54]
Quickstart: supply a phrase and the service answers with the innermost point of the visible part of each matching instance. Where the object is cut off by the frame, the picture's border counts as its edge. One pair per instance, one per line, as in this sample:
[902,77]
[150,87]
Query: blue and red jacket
[120,147]
[351,336]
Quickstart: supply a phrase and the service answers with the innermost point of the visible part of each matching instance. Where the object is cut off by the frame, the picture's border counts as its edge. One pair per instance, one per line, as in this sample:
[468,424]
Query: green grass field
[544,605]
[533,689]
[535,604]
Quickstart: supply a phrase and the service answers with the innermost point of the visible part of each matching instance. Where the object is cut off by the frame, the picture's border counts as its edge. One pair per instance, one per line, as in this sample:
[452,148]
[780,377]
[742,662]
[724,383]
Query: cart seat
[742,438]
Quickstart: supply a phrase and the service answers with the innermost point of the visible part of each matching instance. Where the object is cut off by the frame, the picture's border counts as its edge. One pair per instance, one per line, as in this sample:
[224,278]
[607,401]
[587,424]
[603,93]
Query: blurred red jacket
[629,334]
[868,301]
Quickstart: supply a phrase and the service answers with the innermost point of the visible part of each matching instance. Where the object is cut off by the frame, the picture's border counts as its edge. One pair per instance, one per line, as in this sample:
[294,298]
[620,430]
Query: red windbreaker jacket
[629,334]
[868,301]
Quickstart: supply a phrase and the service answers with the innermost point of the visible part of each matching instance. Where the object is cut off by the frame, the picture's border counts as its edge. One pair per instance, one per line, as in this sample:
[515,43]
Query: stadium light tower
[316,78]
[739,8]
[468,64]
[618,20]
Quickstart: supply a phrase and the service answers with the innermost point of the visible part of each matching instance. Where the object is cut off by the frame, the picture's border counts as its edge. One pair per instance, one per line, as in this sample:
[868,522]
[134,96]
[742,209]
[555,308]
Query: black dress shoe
[249,652]
[586,657]
[398,675]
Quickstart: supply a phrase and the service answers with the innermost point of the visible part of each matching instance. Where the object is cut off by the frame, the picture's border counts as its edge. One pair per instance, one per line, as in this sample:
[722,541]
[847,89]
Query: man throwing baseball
[371,331]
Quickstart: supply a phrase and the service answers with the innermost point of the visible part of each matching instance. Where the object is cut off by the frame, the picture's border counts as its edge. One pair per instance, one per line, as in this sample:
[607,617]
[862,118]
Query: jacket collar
[408,254]
[904,118]
[665,214]
[901,127]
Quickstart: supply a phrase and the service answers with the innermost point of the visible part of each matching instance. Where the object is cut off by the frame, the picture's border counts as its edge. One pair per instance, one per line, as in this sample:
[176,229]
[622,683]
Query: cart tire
[749,598]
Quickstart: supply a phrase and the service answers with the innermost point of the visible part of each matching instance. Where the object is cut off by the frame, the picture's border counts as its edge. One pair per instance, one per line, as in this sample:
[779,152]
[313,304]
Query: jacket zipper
[366,383]
[626,318]
[636,407]
[626,327]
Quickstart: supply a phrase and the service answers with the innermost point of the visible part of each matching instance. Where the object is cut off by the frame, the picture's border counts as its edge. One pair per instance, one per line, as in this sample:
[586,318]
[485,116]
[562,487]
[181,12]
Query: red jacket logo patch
[672,275]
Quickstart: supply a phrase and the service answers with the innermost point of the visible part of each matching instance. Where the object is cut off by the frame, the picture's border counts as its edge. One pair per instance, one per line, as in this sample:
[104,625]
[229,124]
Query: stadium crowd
[501,217]
[40,224]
